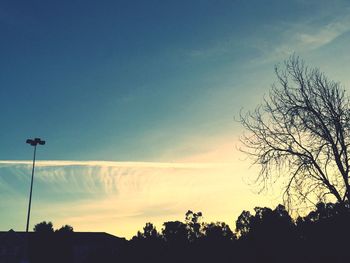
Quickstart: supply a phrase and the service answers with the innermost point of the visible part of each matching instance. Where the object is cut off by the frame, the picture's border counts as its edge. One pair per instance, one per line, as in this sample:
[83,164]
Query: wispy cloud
[119,197]
[219,48]
[54,163]
[304,37]
[301,36]
[277,41]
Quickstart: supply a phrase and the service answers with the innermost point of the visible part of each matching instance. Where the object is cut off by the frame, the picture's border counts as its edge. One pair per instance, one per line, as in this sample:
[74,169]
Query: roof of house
[76,237]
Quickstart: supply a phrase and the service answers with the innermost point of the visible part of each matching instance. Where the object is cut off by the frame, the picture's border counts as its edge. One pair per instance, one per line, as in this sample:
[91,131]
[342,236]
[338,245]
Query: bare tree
[300,133]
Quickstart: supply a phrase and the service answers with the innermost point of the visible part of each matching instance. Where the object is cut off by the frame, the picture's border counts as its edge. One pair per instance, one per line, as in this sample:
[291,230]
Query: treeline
[47,228]
[267,235]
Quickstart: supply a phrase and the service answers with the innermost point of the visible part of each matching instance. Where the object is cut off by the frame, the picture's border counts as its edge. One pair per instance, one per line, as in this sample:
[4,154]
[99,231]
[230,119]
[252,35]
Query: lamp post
[32,142]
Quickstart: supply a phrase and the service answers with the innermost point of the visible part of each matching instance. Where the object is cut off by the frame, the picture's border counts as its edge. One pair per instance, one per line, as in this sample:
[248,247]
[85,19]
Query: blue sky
[148,81]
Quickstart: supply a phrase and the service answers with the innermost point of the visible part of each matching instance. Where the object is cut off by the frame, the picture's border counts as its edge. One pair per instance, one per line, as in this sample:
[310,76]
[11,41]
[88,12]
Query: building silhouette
[74,247]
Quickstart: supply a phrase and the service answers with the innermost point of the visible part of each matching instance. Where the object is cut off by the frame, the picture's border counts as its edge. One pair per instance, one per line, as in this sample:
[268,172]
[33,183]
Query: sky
[137,102]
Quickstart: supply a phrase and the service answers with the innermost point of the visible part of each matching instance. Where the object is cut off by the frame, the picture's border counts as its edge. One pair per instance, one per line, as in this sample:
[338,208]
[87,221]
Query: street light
[32,142]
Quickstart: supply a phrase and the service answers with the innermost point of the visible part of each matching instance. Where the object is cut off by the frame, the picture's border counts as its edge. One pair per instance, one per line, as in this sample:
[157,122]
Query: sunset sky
[137,102]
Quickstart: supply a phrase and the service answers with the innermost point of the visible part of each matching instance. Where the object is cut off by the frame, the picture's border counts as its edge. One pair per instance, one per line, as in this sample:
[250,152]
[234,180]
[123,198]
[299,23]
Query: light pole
[32,142]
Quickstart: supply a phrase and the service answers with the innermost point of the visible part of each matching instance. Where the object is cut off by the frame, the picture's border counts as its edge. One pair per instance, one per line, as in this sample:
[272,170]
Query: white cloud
[301,37]
[119,197]
[54,163]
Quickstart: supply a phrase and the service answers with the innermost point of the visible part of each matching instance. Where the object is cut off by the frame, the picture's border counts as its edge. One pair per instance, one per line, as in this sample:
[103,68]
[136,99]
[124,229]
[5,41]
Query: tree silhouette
[150,232]
[66,229]
[175,232]
[301,133]
[41,246]
[44,228]
[264,235]
[147,245]
[193,224]
[218,232]
[266,223]
[243,223]
[268,234]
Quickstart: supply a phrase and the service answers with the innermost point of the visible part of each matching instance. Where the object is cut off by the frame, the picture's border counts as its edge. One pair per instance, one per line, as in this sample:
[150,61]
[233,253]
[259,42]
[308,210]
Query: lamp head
[35,142]
[31,142]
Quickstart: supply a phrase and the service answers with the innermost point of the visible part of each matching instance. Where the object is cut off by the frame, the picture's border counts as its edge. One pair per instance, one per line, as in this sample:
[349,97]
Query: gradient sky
[152,87]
